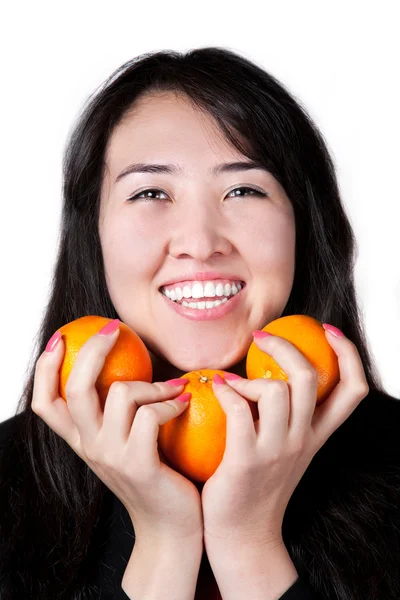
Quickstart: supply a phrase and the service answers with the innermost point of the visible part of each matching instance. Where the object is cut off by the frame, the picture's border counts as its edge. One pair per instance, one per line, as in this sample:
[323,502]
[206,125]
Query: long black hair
[51,502]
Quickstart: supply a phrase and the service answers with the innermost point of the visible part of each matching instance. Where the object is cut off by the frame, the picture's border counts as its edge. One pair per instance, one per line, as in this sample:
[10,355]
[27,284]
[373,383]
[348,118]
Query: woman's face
[192,223]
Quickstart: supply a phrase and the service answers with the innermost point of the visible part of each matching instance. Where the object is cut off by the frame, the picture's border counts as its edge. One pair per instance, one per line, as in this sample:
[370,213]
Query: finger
[82,397]
[125,397]
[302,381]
[143,438]
[347,394]
[46,402]
[240,432]
[273,403]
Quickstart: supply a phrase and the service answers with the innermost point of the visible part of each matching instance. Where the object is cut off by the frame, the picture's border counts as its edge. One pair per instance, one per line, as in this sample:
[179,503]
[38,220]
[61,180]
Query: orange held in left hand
[245,499]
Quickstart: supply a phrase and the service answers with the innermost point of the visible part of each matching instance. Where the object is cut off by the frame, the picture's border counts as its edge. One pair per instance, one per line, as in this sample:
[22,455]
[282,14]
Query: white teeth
[202,290]
[219,290]
[197,290]
[203,305]
[209,290]
[187,292]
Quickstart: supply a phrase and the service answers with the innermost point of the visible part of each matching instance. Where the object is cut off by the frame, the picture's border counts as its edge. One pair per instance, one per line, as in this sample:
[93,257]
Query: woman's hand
[120,445]
[245,499]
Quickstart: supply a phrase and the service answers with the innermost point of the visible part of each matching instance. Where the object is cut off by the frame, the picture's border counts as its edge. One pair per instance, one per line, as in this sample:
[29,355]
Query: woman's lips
[206,314]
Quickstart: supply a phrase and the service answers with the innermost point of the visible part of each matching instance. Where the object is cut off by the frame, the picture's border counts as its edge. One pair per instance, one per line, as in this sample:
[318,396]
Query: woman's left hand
[245,499]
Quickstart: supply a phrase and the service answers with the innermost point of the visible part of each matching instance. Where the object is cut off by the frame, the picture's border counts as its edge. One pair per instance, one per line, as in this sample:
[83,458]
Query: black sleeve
[298,591]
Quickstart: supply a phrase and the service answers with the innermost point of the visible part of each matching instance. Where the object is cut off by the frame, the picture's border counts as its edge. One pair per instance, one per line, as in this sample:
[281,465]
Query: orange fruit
[308,336]
[194,442]
[128,359]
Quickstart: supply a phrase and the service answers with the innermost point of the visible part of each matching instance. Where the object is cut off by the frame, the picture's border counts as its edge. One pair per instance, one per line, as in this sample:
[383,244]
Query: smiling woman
[200,204]
[211,207]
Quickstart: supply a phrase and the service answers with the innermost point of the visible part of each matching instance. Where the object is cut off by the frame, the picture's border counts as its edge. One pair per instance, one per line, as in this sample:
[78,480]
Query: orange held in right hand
[120,444]
[128,360]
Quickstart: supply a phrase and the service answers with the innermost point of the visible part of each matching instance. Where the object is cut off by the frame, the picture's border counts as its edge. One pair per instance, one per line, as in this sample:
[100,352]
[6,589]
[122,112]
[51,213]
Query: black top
[298,591]
[121,542]
[343,480]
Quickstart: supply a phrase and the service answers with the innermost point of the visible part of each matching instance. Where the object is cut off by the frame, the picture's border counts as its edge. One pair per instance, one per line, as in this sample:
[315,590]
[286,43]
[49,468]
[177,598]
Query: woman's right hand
[120,446]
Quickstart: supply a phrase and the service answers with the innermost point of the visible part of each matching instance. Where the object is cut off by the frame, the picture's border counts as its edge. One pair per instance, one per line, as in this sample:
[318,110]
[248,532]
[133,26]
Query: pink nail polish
[260,334]
[231,376]
[110,327]
[333,329]
[53,341]
[184,397]
[218,379]
[178,381]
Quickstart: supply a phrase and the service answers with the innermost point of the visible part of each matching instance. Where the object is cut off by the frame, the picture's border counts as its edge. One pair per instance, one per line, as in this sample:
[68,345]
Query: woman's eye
[148,192]
[237,191]
[249,189]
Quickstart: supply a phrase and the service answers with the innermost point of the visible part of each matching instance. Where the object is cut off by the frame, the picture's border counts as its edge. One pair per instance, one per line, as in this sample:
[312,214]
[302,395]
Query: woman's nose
[200,233]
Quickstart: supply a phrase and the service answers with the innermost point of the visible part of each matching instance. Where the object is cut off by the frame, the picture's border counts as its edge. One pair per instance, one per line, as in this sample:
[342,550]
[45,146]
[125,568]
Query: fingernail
[333,329]
[231,376]
[53,341]
[110,327]
[260,334]
[218,379]
[184,397]
[178,381]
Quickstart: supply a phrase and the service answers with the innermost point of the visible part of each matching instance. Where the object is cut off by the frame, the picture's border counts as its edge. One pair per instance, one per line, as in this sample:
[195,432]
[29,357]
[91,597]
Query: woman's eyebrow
[232,167]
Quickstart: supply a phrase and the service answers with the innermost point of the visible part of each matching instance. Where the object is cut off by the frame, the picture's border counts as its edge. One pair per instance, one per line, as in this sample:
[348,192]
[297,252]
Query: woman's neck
[163,370]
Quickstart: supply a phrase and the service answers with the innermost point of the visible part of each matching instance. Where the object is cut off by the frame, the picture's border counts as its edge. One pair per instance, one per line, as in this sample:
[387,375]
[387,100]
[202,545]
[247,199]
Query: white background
[340,59]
